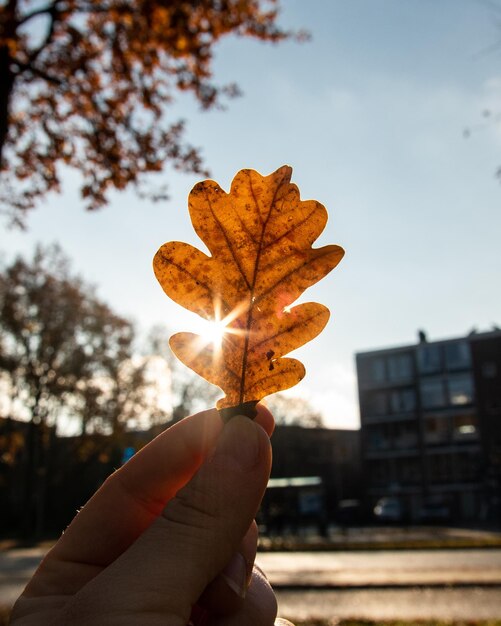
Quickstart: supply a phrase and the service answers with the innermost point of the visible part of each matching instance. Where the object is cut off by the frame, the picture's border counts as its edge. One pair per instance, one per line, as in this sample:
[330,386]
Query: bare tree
[188,391]
[291,411]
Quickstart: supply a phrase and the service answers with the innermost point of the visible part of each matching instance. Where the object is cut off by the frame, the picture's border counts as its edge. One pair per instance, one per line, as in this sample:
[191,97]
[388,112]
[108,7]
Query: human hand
[169,539]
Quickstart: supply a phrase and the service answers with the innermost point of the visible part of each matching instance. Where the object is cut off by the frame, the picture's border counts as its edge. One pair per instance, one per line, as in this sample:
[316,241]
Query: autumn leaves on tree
[88,85]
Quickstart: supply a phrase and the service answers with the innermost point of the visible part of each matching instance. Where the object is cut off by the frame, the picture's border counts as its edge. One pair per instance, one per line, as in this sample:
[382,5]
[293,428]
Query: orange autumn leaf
[260,238]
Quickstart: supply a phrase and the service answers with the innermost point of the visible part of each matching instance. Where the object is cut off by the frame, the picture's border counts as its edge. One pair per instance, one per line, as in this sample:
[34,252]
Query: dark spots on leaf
[270,354]
[271,367]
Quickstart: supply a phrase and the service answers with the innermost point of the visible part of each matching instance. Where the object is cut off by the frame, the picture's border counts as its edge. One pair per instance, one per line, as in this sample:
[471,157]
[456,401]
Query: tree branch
[6,87]
[28,67]
[41,11]
[52,12]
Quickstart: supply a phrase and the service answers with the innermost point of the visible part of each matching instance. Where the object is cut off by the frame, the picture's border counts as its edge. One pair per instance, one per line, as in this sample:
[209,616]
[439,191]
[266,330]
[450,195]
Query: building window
[405,436]
[400,367]
[465,428]
[433,393]
[489,369]
[375,404]
[457,355]
[378,438]
[403,401]
[376,370]
[429,358]
[409,470]
[460,389]
[467,466]
[436,430]
[439,468]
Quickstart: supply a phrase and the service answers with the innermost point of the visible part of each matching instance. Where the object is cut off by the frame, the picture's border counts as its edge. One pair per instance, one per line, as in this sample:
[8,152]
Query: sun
[213,332]
[210,332]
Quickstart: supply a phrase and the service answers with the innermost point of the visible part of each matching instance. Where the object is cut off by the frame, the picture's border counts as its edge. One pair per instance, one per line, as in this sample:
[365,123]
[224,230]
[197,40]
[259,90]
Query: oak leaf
[260,238]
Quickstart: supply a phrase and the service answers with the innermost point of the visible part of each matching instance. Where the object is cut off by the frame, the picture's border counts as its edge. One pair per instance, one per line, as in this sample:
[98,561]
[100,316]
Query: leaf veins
[260,238]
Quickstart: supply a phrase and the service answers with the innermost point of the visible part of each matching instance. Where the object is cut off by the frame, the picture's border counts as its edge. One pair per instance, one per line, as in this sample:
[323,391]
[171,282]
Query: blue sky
[370,114]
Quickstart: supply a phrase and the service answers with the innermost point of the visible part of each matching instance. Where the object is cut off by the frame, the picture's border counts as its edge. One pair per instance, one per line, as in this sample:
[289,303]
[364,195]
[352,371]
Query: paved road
[403,604]
[352,584]
[383,568]
[387,584]
[16,567]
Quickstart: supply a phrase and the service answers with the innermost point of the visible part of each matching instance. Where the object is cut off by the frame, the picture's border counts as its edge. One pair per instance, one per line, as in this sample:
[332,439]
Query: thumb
[165,571]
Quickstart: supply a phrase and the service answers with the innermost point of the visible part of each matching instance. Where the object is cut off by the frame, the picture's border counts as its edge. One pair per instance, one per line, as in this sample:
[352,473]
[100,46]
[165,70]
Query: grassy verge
[298,545]
[439,539]
[335,622]
[4,620]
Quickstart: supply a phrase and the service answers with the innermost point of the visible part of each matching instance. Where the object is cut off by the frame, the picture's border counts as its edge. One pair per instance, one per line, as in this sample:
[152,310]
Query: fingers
[265,419]
[258,609]
[226,593]
[129,501]
[166,570]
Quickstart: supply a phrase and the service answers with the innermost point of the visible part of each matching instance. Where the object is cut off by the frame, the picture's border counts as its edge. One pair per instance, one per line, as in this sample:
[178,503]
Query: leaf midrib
[254,279]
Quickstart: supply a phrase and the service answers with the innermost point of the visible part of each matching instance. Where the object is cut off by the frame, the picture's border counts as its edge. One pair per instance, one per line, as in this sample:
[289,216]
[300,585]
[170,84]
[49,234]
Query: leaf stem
[248,409]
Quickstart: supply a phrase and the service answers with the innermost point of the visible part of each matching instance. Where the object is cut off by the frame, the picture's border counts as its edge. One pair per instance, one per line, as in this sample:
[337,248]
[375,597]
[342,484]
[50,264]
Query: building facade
[431,427]
[314,469]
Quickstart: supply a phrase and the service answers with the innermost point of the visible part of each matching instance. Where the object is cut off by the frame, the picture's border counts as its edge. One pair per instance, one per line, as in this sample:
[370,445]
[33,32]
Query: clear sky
[370,114]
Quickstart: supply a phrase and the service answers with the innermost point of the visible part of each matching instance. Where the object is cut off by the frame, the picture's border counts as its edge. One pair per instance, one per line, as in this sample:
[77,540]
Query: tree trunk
[33,452]
[32,456]
[7,78]
[8,31]
[44,479]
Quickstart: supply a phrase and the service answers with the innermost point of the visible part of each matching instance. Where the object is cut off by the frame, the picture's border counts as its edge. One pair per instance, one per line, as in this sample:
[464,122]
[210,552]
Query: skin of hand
[169,539]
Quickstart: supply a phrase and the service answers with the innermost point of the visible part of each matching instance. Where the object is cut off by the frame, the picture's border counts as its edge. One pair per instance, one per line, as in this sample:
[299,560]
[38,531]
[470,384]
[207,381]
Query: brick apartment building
[431,427]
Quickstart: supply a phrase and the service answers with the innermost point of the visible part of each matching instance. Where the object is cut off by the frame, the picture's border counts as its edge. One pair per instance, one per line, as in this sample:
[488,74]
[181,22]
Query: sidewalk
[16,568]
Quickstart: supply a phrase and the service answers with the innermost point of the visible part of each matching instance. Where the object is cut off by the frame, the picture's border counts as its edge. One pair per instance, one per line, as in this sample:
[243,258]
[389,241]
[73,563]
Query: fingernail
[260,571]
[235,575]
[240,440]
[199,617]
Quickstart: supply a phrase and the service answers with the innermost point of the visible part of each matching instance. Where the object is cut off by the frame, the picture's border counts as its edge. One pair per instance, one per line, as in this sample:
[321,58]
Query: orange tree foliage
[260,237]
[87,83]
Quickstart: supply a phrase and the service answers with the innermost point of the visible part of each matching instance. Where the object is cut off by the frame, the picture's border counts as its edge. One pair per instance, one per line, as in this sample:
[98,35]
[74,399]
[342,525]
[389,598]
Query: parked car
[389,510]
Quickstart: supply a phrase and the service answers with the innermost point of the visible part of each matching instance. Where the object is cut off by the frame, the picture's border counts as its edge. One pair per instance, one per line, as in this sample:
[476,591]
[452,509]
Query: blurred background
[385,496]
